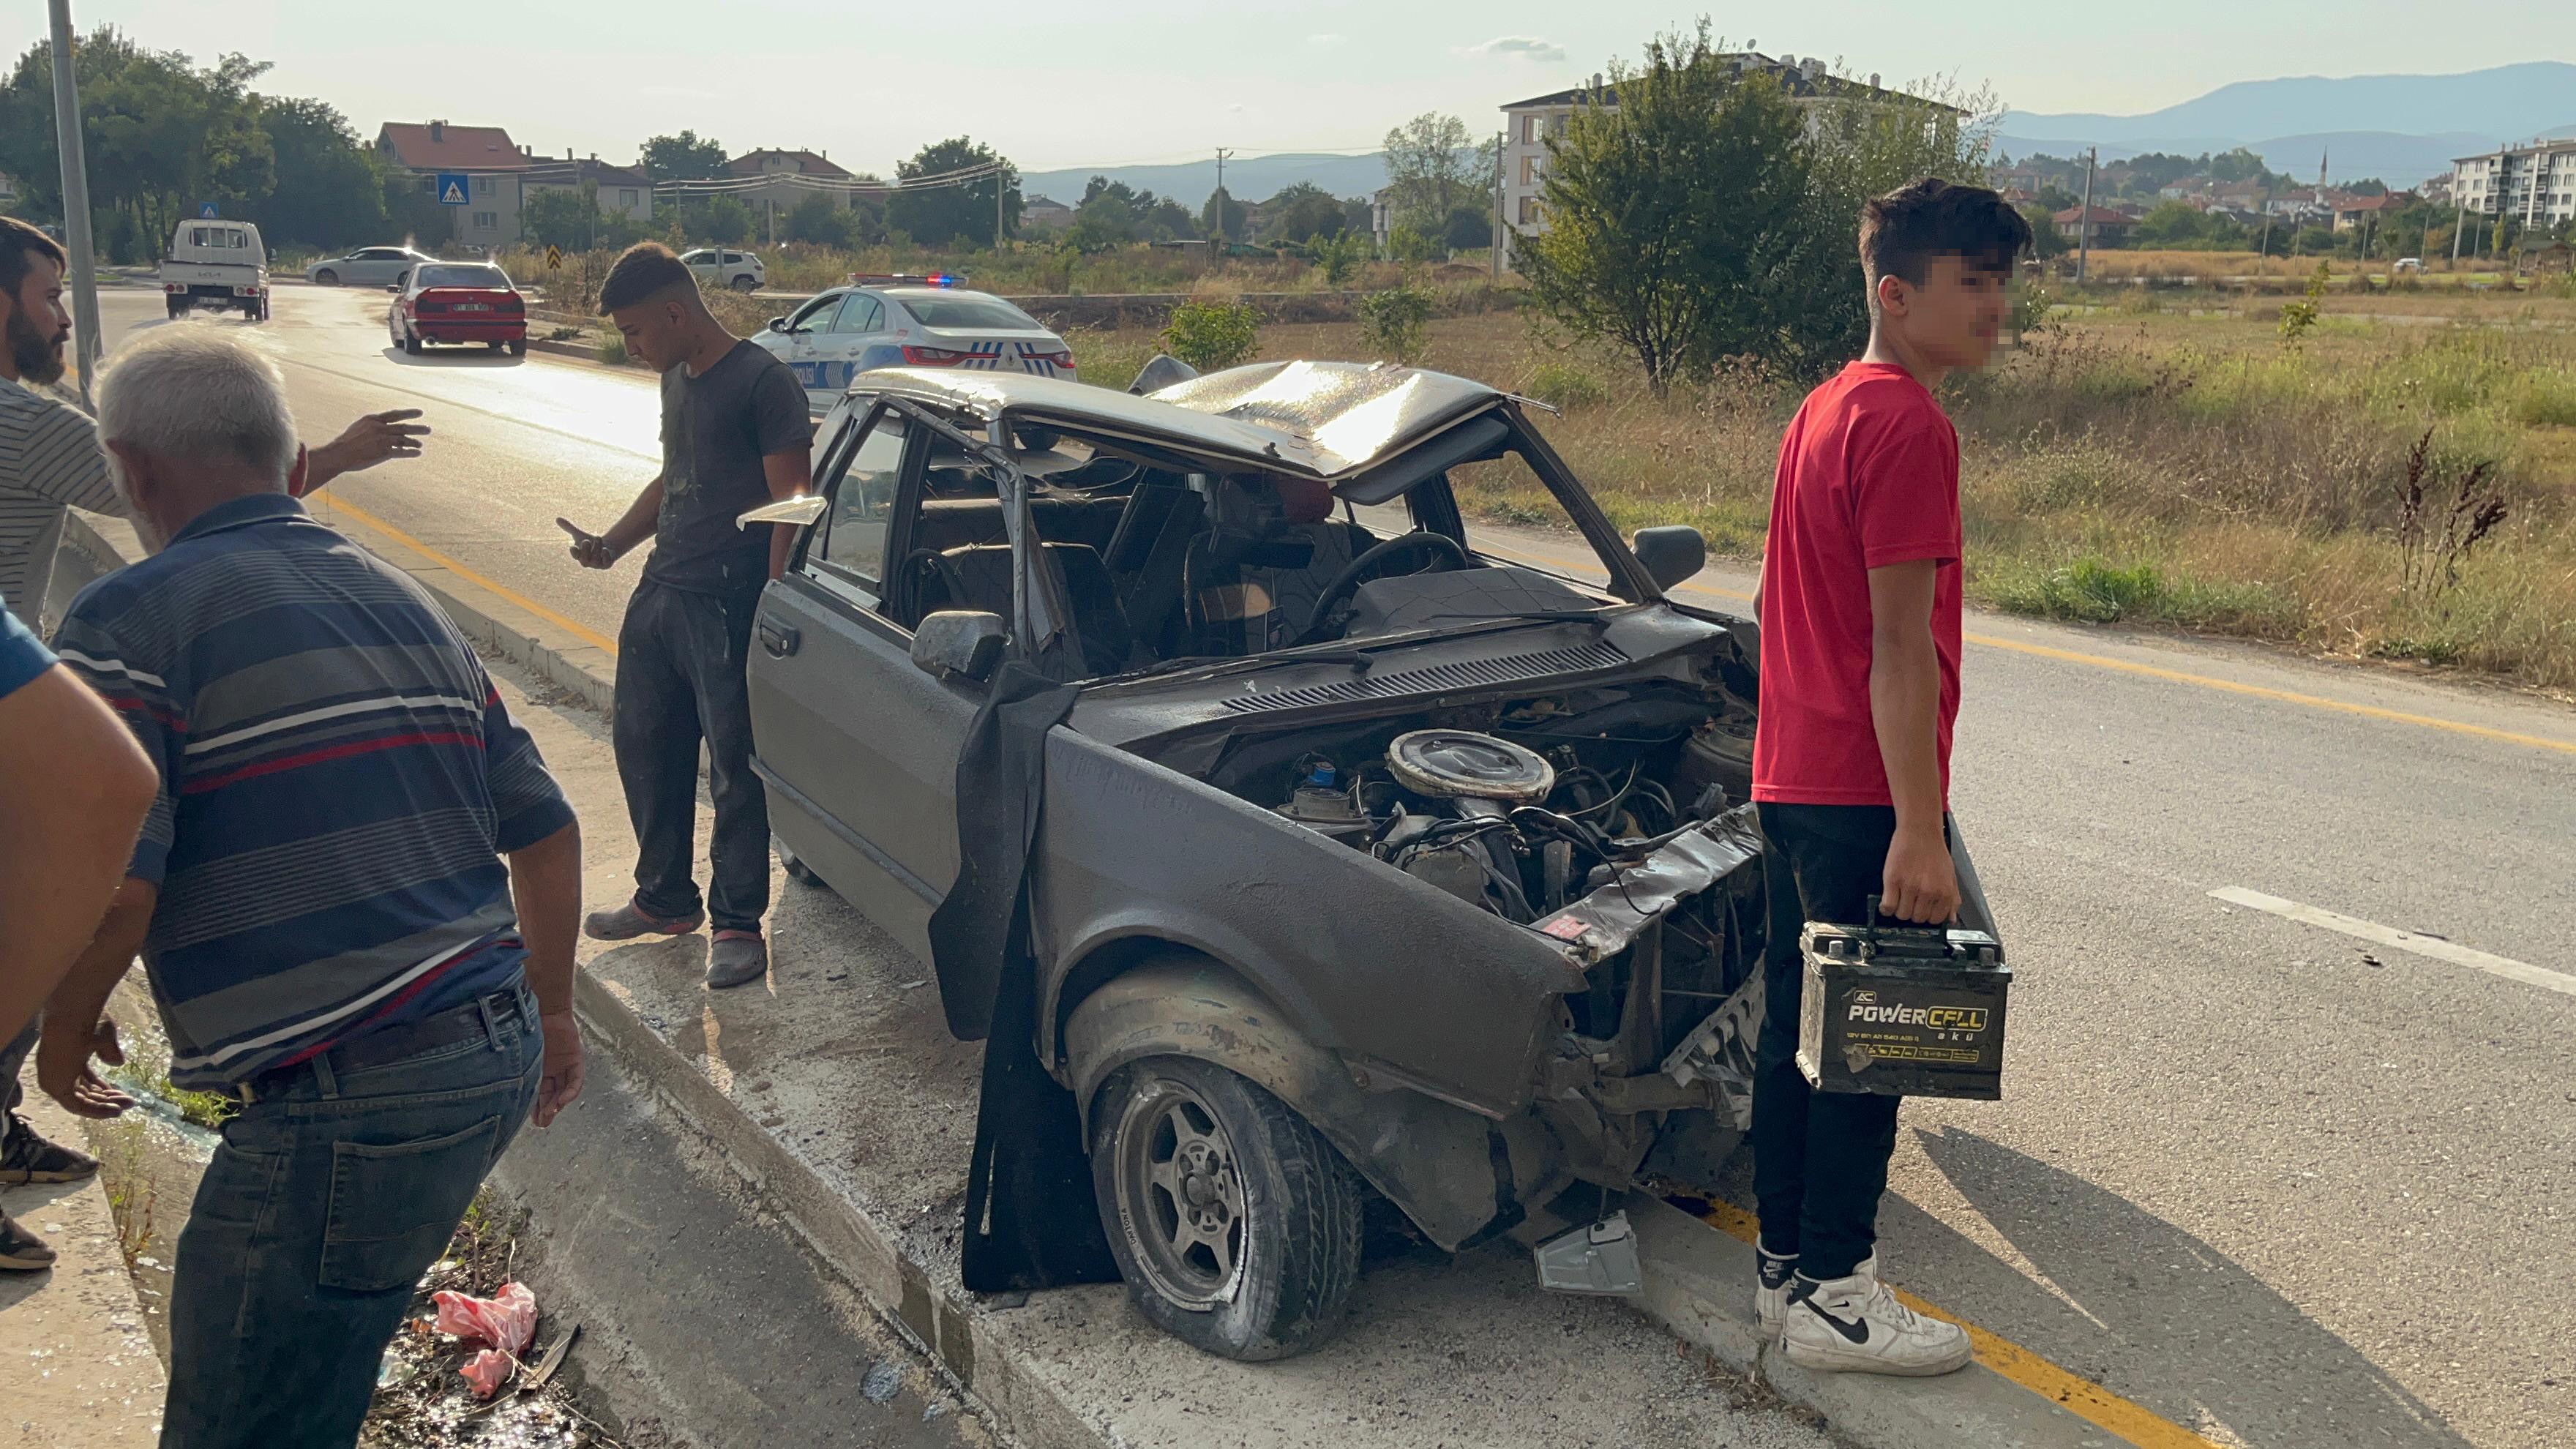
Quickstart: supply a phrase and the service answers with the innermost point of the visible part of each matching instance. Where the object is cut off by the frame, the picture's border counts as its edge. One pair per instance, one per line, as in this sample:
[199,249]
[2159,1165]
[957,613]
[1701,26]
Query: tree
[1303,212]
[2046,241]
[1431,167]
[1222,217]
[2172,225]
[1468,228]
[943,214]
[823,221]
[330,189]
[684,157]
[723,220]
[563,216]
[163,136]
[1672,215]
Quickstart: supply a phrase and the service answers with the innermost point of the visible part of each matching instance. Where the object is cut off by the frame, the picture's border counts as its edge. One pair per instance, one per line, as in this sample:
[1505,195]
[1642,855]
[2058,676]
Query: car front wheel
[1235,1224]
[326,278]
[745,283]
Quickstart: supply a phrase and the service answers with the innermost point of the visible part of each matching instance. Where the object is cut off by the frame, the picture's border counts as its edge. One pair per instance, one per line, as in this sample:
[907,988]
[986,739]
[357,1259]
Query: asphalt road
[2278,1183]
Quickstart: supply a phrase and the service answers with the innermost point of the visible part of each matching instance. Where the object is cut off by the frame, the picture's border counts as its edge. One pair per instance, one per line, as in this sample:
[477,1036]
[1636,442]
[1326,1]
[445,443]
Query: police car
[884,320]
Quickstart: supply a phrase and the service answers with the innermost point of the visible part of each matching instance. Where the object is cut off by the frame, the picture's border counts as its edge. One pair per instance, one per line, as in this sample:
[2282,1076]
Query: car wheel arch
[1141,997]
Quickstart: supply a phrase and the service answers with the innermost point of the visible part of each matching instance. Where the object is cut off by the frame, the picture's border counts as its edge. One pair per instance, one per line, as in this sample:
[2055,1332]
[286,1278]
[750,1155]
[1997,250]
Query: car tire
[796,868]
[519,348]
[326,278]
[497,346]
[411,344]
[177,311]
[1285,1208]
[745,283]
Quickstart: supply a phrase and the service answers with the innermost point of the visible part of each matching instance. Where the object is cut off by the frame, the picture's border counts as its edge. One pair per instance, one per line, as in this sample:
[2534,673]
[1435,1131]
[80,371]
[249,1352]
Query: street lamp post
[67,133]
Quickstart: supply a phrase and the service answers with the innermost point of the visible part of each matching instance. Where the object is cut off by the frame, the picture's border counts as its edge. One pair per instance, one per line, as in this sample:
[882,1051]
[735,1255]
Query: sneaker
[629,921]
[1856,1325]
[26,1157]
[22,1251]
[1771,1297]
[738,957]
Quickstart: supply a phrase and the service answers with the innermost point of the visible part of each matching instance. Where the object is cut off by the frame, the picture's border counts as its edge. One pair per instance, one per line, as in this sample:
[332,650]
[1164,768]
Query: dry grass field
[2149,461]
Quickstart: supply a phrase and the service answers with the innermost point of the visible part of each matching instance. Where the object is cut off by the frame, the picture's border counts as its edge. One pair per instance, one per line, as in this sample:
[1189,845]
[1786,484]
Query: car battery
[1902,1010]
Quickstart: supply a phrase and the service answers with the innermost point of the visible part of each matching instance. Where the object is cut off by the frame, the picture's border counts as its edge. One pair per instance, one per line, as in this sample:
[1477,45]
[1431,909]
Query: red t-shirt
[1869,476]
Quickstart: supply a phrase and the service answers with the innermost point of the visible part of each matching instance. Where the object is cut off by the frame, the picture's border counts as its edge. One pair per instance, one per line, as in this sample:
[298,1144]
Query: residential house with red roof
[484,171]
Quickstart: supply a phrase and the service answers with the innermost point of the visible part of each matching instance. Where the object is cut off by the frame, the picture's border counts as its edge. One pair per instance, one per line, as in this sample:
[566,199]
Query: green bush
[613,351]
[1212,335]
[1566,385]
[1396,322]
[2546,399]
[1340,255]
[2090,589]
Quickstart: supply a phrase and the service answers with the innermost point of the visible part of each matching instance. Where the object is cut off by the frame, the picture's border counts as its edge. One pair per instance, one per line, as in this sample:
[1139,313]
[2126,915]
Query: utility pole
[1221,198]
[1497,247]
[1001,191]
[2084,218]
[67,135]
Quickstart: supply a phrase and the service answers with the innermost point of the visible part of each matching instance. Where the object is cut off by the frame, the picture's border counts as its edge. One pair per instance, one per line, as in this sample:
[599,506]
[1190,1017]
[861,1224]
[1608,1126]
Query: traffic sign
[554,259]
[453,188]
[206,211]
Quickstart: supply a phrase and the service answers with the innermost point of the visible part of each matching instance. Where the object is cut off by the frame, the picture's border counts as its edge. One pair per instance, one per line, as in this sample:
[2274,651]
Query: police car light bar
[935,279]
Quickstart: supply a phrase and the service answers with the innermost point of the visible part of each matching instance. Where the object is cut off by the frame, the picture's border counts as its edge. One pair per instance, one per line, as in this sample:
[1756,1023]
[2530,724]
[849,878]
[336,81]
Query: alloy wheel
[1179,1185]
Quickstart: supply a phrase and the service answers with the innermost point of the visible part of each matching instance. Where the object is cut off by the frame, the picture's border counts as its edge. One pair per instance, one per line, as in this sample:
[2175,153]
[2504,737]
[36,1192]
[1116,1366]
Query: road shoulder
[76,1366]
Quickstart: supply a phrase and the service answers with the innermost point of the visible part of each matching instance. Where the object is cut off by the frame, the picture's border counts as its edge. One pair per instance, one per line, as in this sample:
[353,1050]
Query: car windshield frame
[427,275]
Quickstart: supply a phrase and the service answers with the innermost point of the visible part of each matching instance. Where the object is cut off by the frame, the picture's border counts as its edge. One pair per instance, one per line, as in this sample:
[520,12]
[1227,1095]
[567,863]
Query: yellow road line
[574,627]
[2080,1396]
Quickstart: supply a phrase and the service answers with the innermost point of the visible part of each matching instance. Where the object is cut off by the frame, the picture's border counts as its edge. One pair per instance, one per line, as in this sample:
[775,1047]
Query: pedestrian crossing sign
[554,259]
[453,189]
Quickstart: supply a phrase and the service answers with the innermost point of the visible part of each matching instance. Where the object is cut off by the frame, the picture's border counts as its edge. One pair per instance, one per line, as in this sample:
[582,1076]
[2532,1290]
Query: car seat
[978,576]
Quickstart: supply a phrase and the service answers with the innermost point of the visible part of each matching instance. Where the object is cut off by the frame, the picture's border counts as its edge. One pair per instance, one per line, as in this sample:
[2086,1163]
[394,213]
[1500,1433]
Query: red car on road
[458,302]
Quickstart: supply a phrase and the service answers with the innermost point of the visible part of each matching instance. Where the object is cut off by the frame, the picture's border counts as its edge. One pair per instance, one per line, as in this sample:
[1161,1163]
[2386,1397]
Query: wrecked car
[1376,857]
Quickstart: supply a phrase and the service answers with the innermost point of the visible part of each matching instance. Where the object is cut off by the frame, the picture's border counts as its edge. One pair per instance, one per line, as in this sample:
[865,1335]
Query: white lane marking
[2432,946]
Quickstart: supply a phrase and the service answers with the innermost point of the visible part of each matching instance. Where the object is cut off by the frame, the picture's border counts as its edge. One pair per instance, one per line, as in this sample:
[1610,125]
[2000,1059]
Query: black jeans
[680,660]
[1819,1158]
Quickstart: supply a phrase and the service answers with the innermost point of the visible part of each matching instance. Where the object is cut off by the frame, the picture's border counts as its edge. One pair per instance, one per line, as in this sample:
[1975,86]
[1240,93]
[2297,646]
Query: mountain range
[2401,129]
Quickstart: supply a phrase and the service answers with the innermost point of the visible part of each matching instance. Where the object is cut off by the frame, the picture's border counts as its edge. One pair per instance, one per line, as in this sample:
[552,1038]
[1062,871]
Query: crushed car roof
[1326,419]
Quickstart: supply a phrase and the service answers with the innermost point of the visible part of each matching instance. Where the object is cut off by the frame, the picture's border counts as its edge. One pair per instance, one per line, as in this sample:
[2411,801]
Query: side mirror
[1671,553]
[777,324]
[959,642]
[396,287]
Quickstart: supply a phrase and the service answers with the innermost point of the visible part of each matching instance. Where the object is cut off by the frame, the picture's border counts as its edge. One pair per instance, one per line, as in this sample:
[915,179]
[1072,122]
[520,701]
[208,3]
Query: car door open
[858,745]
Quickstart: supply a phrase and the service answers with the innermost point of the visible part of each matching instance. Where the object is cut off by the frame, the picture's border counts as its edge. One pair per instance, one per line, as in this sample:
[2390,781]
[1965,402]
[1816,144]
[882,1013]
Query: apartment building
[2534,182]
[485,168]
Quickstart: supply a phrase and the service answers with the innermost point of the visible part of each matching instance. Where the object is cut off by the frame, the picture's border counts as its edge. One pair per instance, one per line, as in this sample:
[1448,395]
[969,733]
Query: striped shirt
[49,458]
[338,781]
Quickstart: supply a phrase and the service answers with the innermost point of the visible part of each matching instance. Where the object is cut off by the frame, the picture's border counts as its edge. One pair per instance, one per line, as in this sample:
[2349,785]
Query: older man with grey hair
[355,895]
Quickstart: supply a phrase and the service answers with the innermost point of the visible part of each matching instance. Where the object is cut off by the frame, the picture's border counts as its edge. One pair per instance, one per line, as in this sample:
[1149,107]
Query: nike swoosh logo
[1855,1330]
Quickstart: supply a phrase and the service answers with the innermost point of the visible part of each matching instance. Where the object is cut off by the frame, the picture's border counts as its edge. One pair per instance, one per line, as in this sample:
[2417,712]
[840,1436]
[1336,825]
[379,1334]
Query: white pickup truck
[218,264]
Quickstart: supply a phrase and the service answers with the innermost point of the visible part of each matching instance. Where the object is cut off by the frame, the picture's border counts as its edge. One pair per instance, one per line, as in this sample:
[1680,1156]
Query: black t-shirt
[716,428]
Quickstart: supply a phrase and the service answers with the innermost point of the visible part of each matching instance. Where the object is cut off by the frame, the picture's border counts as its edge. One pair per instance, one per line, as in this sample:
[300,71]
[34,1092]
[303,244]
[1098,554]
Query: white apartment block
[1529,124]
[2534,183]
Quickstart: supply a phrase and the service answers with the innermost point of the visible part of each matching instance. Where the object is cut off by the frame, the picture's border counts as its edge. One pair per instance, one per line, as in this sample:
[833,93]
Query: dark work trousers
[1819,1158]
[680,659]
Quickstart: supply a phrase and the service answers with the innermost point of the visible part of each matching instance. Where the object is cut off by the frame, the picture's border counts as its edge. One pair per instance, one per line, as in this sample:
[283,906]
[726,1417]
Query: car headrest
[1304,500]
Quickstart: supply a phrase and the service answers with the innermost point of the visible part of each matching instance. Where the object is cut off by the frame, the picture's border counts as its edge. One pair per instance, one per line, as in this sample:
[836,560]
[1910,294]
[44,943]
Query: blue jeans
[331,1195]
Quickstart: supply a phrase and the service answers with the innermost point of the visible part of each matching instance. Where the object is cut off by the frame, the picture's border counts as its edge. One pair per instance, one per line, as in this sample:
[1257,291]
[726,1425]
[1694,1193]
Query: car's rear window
[464,277]
[969,312]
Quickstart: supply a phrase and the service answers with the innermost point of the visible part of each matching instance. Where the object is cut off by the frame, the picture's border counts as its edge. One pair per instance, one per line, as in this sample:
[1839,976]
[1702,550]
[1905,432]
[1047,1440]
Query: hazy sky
[1100,82]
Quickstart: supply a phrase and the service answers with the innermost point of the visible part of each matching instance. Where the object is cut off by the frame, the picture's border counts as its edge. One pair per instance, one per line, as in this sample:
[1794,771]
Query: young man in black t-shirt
[734,436]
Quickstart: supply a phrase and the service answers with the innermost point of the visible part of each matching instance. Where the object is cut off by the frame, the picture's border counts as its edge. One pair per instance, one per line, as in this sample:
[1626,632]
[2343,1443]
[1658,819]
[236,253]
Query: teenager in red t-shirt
[1859,606]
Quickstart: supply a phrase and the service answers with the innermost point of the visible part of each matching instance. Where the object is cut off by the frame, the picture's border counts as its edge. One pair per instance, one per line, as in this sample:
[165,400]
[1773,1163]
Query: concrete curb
[1698,1280]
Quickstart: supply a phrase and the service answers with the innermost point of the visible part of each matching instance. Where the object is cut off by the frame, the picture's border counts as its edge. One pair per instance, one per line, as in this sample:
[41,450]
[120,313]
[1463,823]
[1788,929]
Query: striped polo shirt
[339,780]
[49,458]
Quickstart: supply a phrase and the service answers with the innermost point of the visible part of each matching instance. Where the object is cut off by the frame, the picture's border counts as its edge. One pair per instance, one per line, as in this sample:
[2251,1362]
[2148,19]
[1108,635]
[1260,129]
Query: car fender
[1448,1169]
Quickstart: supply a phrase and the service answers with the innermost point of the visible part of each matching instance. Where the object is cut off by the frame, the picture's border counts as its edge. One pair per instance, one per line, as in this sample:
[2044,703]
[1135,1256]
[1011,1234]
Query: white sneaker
[1771,1290]
[1856,1325]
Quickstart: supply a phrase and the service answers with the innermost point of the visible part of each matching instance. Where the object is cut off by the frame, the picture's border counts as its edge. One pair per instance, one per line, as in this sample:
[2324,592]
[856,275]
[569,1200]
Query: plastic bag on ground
[487,1371]
[507,1320]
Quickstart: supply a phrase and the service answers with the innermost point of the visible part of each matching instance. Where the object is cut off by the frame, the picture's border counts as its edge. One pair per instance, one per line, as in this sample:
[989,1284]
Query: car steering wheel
[1358,571]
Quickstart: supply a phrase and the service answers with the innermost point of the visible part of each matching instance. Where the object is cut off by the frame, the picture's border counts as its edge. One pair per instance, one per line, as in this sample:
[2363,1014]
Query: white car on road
[742,271]
[366,267]
[892,321]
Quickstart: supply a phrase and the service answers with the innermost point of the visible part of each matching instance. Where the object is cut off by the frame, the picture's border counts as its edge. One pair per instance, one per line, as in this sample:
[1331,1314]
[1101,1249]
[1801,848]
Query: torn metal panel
[1611,919]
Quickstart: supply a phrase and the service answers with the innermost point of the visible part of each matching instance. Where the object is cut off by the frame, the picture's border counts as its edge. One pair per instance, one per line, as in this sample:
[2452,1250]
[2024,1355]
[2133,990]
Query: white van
[220,264]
